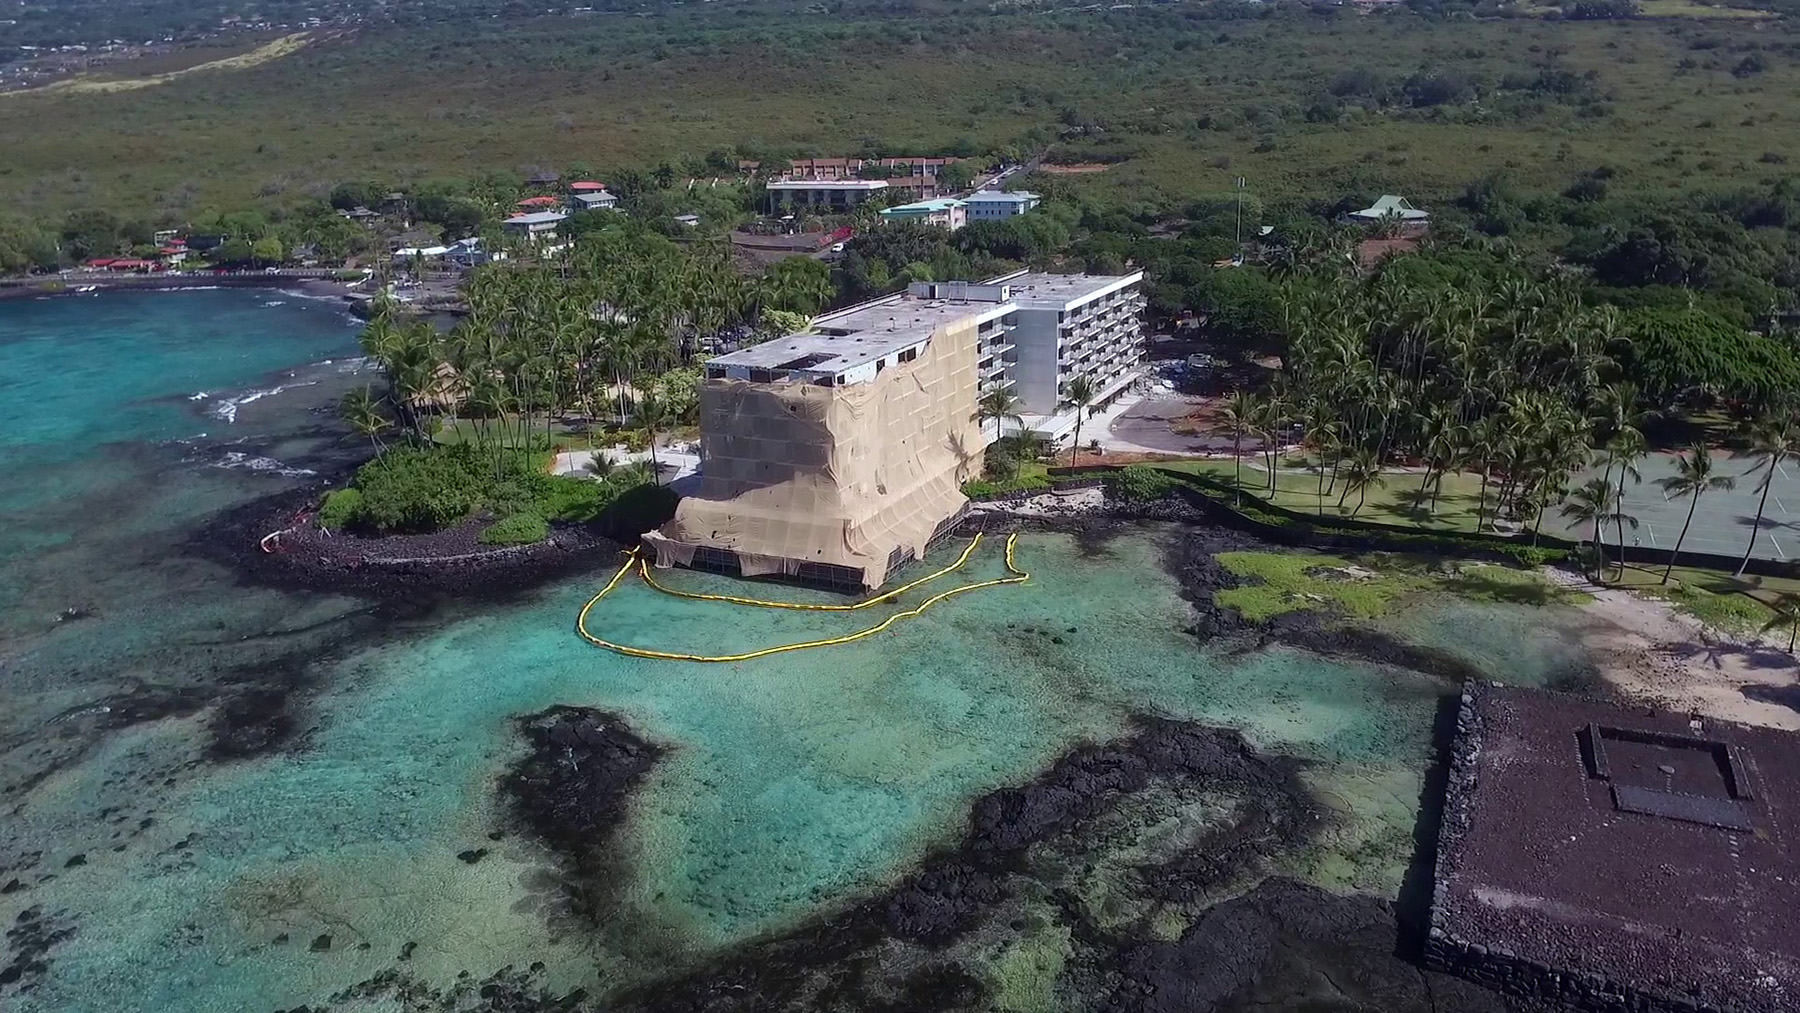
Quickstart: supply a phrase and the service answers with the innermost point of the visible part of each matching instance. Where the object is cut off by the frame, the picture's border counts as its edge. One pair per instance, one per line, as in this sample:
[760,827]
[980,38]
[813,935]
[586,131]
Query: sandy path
[1651,652]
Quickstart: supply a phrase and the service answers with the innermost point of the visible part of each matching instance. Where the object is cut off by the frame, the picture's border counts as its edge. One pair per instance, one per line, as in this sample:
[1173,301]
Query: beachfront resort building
[945,212]
[825,193]
[836,455]
[996,205]
[1069,325]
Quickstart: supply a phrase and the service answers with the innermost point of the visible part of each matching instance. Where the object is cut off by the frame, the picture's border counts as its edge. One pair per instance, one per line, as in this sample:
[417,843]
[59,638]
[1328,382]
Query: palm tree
[1624,451]
[1487,446]
[1693,478]
[601,466]
[999,404]
[1787,614]
[1775,440]
[1239,415]
[362,410]
[1596,503]
[652,413]
[1080,393]
[1362,470]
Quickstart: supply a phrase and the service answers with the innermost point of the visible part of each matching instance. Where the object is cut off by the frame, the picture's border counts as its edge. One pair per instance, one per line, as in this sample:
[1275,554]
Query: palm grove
[598,340]
[1450,364]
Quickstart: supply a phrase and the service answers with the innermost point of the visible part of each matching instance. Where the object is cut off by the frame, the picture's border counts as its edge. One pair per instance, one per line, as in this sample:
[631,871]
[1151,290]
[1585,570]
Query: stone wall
[1490,962]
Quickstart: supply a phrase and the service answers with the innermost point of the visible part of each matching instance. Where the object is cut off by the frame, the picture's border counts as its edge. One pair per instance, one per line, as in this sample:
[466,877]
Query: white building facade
[846,193]
[1069,325]
[996,205]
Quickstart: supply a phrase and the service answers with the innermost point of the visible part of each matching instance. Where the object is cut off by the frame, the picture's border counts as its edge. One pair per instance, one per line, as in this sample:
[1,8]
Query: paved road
[1146,424]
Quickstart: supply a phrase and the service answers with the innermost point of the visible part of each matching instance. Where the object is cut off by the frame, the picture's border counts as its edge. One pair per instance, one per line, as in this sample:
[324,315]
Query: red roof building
[539,202]
[587,186]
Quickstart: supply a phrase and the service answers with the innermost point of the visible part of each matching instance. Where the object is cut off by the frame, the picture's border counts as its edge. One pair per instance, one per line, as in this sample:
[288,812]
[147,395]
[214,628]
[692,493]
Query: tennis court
[1723,519]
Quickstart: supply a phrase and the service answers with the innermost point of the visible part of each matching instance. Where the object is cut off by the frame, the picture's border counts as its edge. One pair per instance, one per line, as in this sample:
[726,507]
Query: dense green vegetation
[1308,103]
[596,339]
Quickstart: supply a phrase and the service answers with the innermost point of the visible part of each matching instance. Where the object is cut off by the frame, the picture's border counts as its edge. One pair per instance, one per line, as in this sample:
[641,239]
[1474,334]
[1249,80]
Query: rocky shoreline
[301,556]
[69,286]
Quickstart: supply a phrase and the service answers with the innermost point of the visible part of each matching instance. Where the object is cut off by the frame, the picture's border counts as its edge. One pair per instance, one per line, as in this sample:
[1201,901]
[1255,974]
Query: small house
[592,200]
[535,227]
[1389,208]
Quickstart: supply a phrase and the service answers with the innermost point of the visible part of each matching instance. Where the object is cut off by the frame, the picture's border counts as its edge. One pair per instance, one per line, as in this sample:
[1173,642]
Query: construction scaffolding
[834,483]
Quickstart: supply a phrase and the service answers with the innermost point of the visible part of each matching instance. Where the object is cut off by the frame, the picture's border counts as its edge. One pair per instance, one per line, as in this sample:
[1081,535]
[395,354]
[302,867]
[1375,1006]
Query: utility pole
[1240,216]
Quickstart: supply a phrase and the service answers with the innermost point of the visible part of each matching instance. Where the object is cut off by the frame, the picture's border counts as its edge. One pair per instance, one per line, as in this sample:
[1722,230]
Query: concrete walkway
[680,463]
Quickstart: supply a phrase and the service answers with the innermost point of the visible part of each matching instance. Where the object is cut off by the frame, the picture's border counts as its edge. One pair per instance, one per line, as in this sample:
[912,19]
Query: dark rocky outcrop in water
[407,568]
[929,942]
[29,941]
[897,951]
[570,793]
[1288,946]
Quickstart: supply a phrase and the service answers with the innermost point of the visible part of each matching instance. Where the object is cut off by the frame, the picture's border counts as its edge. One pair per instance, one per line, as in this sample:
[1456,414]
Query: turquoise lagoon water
[792,786]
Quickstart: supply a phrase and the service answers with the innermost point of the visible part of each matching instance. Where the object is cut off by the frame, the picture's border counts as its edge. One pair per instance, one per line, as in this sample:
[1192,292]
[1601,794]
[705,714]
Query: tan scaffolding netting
[799,473]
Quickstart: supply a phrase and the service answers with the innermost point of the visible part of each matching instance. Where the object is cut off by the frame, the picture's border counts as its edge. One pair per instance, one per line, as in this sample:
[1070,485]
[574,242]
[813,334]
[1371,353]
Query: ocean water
[792,785]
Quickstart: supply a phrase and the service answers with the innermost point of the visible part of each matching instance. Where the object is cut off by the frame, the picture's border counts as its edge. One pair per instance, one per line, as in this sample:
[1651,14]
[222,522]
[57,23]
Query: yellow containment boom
[1017,576]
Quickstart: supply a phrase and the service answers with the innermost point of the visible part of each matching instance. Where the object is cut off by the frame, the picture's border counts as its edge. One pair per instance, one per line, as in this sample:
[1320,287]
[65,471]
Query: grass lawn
[1393,499]
[1366,586]
[1031,475]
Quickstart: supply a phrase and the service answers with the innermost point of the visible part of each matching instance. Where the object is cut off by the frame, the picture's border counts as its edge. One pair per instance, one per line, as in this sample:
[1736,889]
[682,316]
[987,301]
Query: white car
[837,247]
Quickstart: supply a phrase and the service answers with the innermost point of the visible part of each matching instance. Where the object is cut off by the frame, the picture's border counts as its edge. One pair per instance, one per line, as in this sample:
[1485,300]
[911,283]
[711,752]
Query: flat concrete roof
[861,334]
[924,206]
[1040,290]
[536,218]
[1002,197]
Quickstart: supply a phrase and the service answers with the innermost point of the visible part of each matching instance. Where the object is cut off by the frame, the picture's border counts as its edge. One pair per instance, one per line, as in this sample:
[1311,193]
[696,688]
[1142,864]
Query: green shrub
[340,509]
[980,488]
[414,489]
[518,529]
[565,498]
[1138,484]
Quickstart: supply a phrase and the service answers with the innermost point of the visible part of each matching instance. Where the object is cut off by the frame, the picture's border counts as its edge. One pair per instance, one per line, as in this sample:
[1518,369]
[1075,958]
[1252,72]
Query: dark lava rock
[29,941]
[406,951]
[280,940]
[838,962]
[408,567]
[571,789]
[75,861]
[570,792]
[252,722]
[1288,946]
[473,855]
[321,943]
[12,886]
